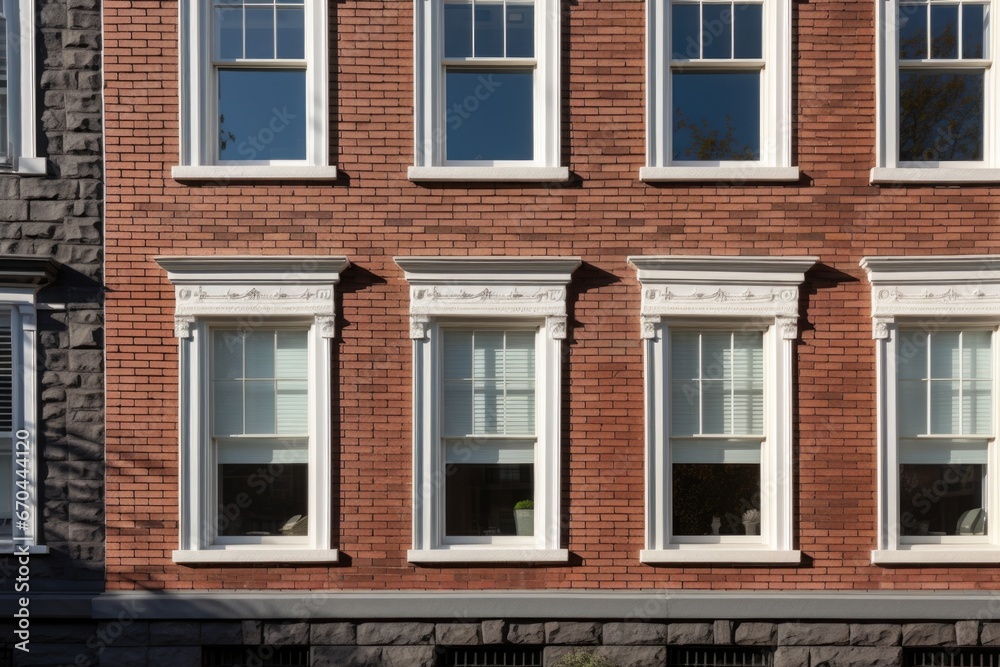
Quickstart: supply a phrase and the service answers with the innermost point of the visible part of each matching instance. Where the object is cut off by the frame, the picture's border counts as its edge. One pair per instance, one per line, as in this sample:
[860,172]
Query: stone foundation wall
[420,644]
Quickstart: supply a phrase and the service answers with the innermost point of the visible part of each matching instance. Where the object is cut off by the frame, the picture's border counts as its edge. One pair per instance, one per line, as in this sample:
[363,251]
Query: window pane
[911,355]
[684,355]
[717,116]
[977,408]
[227,354]
[457,31]
[977,354]
[488,415]
[912,407]
[716,355]
[749,31]
[912,32]
[457,368]
[936,499]
[291,32]
[685,32]
[973,31]
[520,31]
[254,126]
[489,31]
[940,116]
[704,491]
[944,31]
[715,418]
[260,406]
[260,32]
[684,407]
[291,355]
[490,114]
[229,32]
[717,31]
[944,407]
[227,407]
[260,354]
[944,349]
[257,499]
[292,407]
[480,498]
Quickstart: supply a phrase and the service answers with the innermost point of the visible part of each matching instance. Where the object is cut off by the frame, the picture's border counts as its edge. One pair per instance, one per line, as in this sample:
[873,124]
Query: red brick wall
[374,213]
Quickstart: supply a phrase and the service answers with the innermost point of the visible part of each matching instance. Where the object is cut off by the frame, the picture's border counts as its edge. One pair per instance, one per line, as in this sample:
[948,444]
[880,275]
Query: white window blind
[945,381]
[489,383]
[260,382]
[264,452]
[6,378]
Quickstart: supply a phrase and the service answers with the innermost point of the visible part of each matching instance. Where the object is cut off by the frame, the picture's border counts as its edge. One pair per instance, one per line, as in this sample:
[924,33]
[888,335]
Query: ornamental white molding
[488,287]
[287,286]
[744,287]
[940,287]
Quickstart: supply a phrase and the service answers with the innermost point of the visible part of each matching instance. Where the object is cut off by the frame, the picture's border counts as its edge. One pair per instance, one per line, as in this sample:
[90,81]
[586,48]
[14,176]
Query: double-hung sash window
[719,90]
[254,89]
[488,90]
[19,148]
[716,433]
[7,430]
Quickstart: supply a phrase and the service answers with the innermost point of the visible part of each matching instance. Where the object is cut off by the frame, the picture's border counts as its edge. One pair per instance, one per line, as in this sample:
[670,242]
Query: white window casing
[249,292]
[776,120]
[494,292]
[430,163]
[199,160]
[944,293]
[736,293]
[21,153]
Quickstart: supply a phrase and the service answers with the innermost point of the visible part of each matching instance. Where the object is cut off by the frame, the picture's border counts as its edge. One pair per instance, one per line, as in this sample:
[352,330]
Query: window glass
[480,498]
[490,114]
[262,127]
[716,115]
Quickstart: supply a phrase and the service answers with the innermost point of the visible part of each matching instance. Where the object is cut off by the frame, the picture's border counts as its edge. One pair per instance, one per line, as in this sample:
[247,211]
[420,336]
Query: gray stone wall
[59,216]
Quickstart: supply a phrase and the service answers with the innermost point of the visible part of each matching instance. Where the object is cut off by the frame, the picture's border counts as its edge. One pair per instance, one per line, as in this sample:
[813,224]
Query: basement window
[491,656]
[728,656]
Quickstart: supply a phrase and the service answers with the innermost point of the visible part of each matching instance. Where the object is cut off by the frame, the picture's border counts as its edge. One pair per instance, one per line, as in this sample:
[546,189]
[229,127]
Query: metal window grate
[6,656]
[720,657]
[255,656]
[487,656]
[951,657]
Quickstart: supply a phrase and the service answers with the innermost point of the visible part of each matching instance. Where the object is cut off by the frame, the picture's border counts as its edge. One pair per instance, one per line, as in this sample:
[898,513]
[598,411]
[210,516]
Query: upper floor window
[254,89]
[18,114]
[719,90]
[935,112]
[488,90]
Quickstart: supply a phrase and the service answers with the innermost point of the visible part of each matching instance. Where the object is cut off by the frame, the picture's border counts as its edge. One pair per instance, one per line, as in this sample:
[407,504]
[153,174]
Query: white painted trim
[498,174]
[33,549]
[258,554]
[969,556]
[762,292]
[514,290]
[222,173]
[487,555]
[934,175]
[22,84]
[724,556]
[748,174]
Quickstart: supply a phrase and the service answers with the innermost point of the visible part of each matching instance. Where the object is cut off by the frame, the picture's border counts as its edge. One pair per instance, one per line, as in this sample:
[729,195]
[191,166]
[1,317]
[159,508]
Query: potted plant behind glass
[524,517]
[751,522]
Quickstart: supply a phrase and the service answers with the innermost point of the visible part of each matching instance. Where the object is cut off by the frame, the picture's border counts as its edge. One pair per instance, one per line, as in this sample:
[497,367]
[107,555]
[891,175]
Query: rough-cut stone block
[791,656]
[526,633]
[280,634]
[332,634]
[620,656]
[856,656]
[990,634]
[813,634]
[929,634]
[493,632]
[627,634]
[967,633]
[252,632]
[174,656]
[756,634]
[222,632]
[120,656]
[344,656]
[456,634]
[690,633]
[876,634]
[123,633]
[172,633]
[722,631]
[393,634]
[408,656]
[572,633]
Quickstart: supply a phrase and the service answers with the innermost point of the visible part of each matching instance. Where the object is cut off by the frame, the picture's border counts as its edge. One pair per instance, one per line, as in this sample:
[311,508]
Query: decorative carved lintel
[788,327]
[182,326]
[327,325]
[556,326]
[418,326]
[647,326]
[880,327]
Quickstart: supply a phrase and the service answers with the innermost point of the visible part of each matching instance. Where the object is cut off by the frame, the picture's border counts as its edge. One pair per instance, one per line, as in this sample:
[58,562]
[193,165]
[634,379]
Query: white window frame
[889,169]
[23,276]
[775,162]
[22,116]
[752,293]
[198,103]
[495,292]
[245,292]
[430,163]
[939,293]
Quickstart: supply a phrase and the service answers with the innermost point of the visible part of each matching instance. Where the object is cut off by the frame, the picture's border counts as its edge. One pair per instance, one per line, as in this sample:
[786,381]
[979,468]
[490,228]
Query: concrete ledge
[748,174]
[497,174]
[257,555]
[554,605]
[68,606]
[486,555]
[720,556]
[223,174]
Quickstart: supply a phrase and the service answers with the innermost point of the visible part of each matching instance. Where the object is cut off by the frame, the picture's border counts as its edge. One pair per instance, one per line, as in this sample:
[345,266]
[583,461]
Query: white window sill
[221,174]
[7,548]
[932,175]
[256,554]
[935,555]
[498,174]
[487,555]
[731,174]
[730,556]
